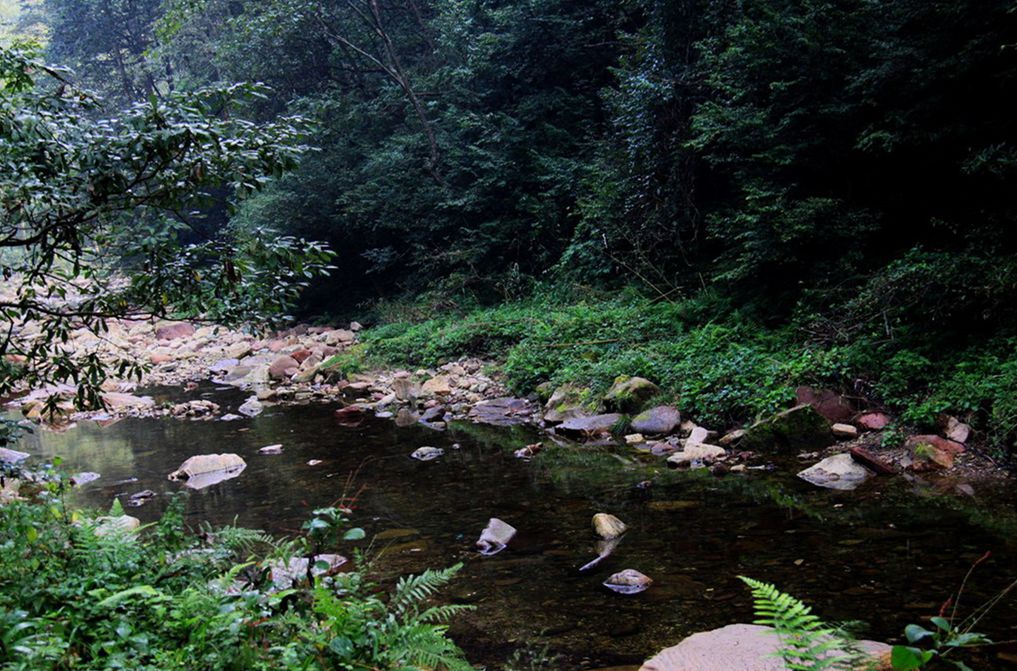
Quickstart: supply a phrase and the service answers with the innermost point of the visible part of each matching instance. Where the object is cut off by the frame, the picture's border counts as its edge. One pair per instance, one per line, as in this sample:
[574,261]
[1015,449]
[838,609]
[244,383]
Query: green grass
[719,367]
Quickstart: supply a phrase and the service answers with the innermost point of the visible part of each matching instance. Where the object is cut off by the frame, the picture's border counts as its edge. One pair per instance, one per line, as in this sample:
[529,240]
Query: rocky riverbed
[840,442]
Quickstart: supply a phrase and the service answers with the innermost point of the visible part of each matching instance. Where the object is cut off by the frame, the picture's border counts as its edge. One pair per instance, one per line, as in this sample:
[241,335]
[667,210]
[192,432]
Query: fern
[413,590]
[806,642]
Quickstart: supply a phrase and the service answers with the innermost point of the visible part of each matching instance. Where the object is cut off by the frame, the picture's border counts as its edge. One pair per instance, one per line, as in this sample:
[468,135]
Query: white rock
[608,526]
[271,449]
[427,453]
[495,536]
[837,472]
[698,452]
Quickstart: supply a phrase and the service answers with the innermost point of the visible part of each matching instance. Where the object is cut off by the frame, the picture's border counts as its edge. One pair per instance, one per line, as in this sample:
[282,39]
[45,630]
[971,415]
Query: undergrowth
[161,599]
[721,366]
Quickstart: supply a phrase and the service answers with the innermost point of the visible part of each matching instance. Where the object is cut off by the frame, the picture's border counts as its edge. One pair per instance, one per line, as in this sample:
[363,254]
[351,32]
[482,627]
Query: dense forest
[832,174]
[826,176]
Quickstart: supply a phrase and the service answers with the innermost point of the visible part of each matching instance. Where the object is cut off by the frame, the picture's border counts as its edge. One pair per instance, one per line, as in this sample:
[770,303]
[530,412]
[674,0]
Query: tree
[93,209]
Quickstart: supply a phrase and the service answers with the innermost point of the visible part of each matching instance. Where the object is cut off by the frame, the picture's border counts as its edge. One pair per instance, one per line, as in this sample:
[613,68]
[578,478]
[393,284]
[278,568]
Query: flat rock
[122,402]
[591,425]
[502,411]
[123,524]
[12,456]
[659,420]
[736,647]
[696,452]
[840,472]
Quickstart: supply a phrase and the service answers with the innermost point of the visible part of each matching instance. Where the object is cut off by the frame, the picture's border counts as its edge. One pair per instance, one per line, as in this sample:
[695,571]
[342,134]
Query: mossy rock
[570,401]
[630,394]
[801,428]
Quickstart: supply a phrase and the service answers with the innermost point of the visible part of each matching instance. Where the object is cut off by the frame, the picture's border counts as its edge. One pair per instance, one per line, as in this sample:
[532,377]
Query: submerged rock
[205,470]
[271,449]
[840,472]
[252,407]
[608,526]
[427,453]
[79,479]
[139,499]
[738,647]
[495,537]
[629,581]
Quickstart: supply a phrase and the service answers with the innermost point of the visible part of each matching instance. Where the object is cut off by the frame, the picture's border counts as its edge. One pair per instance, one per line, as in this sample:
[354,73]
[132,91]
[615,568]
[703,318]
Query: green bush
[160,600]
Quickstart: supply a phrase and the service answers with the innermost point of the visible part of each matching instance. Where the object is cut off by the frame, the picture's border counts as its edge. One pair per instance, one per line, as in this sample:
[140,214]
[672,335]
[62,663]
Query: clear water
[887,554]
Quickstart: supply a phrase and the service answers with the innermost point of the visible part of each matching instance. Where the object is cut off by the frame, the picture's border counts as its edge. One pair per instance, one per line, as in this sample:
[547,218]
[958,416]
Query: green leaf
[354,534]
[904,658]
[915,633]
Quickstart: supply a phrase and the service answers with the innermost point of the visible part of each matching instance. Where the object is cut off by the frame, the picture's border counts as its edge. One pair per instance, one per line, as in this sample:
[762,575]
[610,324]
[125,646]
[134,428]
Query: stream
[887,554]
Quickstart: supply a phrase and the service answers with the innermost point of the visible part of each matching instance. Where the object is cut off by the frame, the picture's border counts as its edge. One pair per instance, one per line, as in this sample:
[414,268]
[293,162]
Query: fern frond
[413,590]
[807,643]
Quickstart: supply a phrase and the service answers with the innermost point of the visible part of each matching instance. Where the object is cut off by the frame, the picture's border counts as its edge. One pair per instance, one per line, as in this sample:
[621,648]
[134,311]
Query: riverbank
[724,399]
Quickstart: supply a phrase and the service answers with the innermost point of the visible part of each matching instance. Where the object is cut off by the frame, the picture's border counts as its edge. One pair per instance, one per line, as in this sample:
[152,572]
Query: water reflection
[879,553]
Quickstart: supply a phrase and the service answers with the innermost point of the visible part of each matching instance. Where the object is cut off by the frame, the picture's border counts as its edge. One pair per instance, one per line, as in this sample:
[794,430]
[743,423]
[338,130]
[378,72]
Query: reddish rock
[827,403]
[276,345]
[873,421]
[174,331]
[932,451]
[158,358]
[938,442]
[301,355]
[351,415]
[283,368]
[867,458]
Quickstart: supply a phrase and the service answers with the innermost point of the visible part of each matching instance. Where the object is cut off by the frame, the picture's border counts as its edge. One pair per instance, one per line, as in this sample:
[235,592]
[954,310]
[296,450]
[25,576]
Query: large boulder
[738,647]
[660,420]
[840,472]
[247,375]
[828,403]
[630,394]
[440,385]
[801,428]
[569,401]
[125,402]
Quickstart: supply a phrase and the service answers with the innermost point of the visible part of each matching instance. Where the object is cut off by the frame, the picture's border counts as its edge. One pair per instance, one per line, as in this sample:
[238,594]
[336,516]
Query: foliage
[88,200]
[161,599]
[806,642]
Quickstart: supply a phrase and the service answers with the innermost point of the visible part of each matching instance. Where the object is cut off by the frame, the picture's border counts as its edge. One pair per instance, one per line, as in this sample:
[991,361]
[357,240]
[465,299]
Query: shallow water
[887,554]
